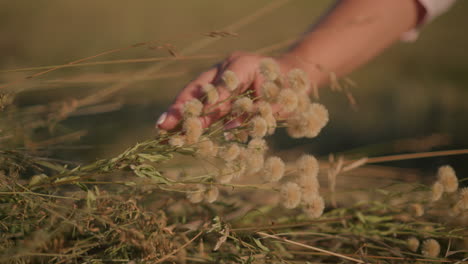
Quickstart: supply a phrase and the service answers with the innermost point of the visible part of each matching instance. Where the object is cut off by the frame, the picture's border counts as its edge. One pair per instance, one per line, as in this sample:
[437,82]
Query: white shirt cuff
[433,9]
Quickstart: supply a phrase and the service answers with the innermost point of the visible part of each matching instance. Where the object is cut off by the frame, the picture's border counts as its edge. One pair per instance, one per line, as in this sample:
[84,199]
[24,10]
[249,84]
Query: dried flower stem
[310,247]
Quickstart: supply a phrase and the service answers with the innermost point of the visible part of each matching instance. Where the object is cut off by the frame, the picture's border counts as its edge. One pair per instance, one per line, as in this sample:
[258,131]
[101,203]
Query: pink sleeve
[433,8]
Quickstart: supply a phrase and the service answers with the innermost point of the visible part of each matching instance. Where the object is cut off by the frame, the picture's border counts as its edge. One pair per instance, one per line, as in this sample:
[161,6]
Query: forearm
[352,33]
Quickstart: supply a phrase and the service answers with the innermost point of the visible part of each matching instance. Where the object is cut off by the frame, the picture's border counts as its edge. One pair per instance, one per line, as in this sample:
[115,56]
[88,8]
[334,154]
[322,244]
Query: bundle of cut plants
[217,195]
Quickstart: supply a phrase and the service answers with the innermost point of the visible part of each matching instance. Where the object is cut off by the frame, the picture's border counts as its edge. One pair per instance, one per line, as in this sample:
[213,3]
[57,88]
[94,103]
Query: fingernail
[162,118]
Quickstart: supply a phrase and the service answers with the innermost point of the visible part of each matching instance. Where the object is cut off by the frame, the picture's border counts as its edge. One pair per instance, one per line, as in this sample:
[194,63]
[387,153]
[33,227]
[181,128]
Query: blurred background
[411,99]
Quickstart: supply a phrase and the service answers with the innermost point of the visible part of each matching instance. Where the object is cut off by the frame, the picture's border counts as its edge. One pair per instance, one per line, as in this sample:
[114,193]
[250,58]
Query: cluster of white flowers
[447,182]
[244,152]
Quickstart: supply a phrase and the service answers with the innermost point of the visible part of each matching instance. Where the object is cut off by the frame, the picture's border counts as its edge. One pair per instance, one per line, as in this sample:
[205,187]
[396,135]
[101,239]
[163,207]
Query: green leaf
[148,171]
[260,245]
[361,217]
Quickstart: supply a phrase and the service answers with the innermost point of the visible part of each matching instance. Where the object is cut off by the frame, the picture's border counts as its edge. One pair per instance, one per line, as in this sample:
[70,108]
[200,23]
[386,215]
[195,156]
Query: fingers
[172,117]
[245,68]
[214,112]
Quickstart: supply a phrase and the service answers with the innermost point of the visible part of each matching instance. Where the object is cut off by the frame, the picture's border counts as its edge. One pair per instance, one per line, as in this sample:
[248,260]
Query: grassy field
[124,204]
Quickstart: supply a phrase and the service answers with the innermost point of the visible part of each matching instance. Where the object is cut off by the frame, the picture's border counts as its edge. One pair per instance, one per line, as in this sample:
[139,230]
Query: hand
[246,68]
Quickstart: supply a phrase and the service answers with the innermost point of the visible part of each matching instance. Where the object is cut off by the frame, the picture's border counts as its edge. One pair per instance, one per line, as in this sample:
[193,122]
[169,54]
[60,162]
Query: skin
[349,35]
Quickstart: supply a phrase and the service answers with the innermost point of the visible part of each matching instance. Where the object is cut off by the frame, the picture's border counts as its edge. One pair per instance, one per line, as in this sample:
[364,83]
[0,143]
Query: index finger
[193,90]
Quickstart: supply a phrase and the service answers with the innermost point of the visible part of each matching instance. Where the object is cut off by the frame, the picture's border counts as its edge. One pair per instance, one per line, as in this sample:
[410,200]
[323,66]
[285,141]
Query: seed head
[227,174]
[310,186]
[258,145]
[271,124]
[287,98]
[417,210]
[193,129]
[270,91]
[290,195]
[258,127]
[242,105]
[264,108]
[296,125]
[437,191]
[211,93]
[448,178]
[413,244]
[230,80]
[314,206]
[253,159]
[430,248]
[198,195]
[269,69]
[192,108]
[316,118]
[212,194]
[308,166]
[177,141]
[298,80]
[273,170]
[230,153]
[207,148]
[463,199]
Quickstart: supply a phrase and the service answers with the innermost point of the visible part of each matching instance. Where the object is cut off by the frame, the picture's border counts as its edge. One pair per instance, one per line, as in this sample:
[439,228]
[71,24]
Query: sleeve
[433,9]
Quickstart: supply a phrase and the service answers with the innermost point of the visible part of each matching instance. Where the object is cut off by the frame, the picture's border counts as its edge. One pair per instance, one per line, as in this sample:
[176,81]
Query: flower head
[314,206]
[177,141]
[437,191]
[296,125]
[298,80]
[448,178]
[207,148]
[230,152]
[212,194]
[271,124]
[307,165]
[211,93]
[198,195]
[269,69]
[430,248]
[416,209]
[273,170]
[242,105]
[463,199]
[253,159]
[309,184]
[258,145]
[258,127]
[192,108]
[270,91]
[287,98]
[316,118]
[413,244]
[264,108]
[230,80]
[193,129]
[290,195]
[227,174]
